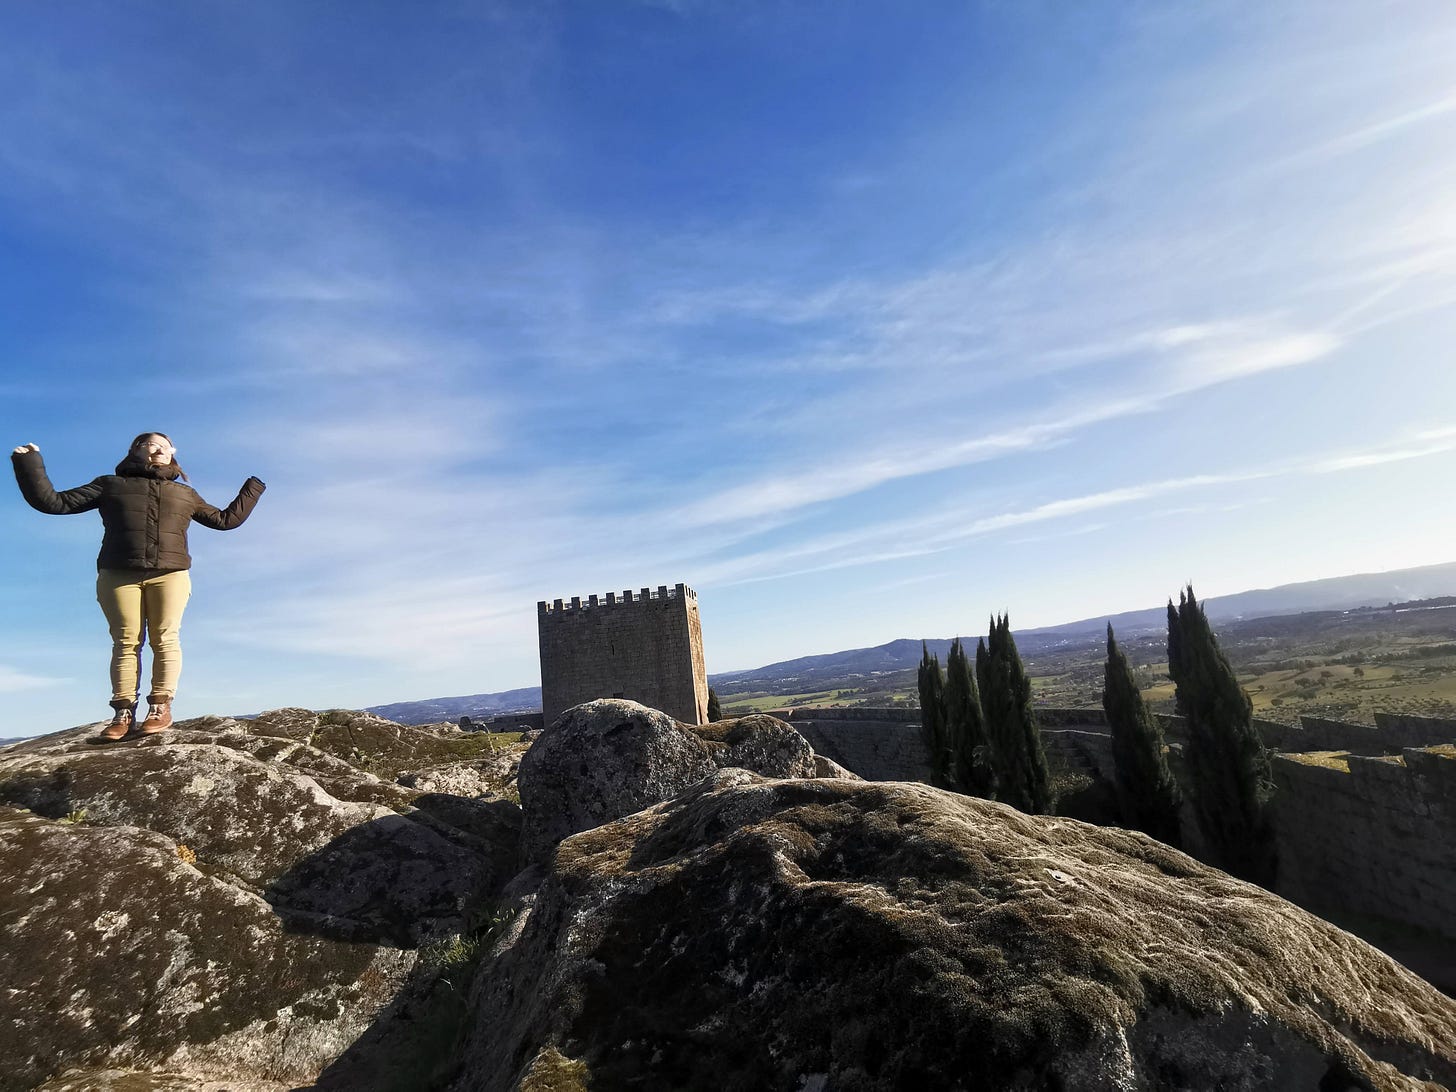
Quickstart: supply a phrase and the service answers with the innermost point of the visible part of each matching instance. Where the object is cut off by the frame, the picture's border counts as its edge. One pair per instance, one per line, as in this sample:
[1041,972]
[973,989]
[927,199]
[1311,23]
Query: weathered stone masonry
[1375,835]
[646,646]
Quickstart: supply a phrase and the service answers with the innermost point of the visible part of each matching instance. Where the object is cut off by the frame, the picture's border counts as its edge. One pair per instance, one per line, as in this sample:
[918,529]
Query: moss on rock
[754,934]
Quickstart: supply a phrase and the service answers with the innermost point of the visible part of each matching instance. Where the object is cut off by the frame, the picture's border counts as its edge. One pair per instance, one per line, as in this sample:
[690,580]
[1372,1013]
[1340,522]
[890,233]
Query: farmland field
[1343,664]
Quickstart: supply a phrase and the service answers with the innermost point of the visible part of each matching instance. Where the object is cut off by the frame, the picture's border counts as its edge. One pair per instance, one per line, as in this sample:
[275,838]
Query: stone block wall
[1372,835]
[877,744]
[512,722]
[885,744]
[1410,730]
[1390,734]
[647,647]
[1090,720]
[1079,749]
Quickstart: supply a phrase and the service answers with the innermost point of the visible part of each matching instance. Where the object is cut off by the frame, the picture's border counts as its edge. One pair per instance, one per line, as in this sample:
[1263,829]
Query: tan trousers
[140,602]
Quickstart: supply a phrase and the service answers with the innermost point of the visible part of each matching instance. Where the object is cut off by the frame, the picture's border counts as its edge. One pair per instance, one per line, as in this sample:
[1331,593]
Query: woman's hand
[23,448]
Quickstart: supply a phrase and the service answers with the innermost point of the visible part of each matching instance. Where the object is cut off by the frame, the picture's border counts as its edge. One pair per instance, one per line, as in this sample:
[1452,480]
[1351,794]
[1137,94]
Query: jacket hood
[134,466]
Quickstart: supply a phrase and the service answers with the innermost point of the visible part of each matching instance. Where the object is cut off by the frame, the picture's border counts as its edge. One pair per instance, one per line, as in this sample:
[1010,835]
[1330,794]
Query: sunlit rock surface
[333,902]
[850,935]
[599,761]
[223,902]
[604,759]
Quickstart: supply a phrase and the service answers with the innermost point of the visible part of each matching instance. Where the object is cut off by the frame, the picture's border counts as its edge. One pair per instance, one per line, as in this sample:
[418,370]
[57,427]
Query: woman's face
[155,449]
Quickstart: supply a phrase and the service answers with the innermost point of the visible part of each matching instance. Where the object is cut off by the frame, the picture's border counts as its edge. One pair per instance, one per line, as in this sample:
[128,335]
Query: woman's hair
[174,464]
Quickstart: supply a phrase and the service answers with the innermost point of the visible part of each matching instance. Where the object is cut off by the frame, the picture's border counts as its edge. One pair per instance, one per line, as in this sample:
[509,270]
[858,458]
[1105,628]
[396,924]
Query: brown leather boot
[122,723]
[159,717]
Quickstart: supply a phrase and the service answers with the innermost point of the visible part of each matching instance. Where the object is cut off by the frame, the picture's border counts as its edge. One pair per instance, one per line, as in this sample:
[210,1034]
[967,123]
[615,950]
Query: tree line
[983,740]
[979,726]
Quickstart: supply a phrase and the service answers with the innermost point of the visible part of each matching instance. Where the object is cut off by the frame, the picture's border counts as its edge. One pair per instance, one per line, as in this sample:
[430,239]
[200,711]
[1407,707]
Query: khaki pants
[137,602]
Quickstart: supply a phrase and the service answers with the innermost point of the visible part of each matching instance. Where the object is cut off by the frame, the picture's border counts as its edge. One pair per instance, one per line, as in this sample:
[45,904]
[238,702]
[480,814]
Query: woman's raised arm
[36,488]
[233,514]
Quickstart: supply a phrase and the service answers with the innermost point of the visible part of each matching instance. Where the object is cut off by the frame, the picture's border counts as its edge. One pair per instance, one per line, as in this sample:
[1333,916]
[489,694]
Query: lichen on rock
[758,742]
[263,904]
[219,902]
[751,933]
[608,758]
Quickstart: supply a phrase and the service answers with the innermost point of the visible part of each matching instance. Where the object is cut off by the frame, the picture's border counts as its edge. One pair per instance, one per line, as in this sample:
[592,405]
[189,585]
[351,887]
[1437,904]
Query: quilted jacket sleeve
[234,514]
[36,488]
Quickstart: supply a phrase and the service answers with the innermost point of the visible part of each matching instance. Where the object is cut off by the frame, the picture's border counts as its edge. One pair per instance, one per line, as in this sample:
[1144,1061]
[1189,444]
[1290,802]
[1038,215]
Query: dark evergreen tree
[715,711]
[1228,768]
[971,766]
[1175,658]
[1147,793]
[1022,777]
[932,718]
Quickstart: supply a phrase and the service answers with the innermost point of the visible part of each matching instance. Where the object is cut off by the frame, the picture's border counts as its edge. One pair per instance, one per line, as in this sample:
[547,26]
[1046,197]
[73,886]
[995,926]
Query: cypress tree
[932,718]
[971,766]
[715,711]
[1023,778]
[1228,769]
[1175,657]
[1147,793]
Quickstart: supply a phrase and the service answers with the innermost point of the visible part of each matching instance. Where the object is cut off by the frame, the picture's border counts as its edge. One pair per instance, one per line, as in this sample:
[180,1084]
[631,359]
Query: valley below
[1343,664]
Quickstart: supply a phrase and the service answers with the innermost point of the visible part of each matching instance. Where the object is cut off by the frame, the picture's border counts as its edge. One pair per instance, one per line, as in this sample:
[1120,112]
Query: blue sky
[864,319]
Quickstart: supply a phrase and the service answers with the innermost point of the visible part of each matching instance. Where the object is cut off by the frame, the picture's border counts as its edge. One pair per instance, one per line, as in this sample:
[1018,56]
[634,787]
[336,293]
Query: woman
[142,580]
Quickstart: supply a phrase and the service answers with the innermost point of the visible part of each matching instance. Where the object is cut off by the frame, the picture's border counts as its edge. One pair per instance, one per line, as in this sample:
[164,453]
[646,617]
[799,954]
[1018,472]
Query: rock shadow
[402,880]
[416,1042]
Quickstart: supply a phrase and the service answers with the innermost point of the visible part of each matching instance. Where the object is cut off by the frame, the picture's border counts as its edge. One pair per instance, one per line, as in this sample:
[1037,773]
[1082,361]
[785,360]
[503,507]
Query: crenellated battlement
[563,608]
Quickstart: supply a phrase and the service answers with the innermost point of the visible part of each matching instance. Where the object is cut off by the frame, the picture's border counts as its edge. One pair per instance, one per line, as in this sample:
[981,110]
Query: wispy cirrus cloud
[922,536]
[13,680]
[1195,358]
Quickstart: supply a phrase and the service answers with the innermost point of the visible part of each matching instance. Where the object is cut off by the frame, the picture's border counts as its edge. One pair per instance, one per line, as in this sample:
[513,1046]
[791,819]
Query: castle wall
[1369,835]
[885,744]
[1079,749]
[877,744]
[512,722]
[1391,733]
[645,646]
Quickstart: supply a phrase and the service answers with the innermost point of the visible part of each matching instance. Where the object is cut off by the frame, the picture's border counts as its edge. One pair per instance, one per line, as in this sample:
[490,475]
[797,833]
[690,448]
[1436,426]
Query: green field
[1340,664]
[757,702]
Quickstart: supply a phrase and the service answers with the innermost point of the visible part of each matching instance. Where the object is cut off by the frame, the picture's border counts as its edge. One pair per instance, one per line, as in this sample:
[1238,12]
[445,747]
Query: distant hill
[1334,593]
[434,710]
[809,673]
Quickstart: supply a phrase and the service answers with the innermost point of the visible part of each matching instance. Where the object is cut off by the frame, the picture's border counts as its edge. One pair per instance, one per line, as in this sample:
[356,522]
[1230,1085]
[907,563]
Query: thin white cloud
[1366,135]
[934,534]
[13,680]
[1207,359]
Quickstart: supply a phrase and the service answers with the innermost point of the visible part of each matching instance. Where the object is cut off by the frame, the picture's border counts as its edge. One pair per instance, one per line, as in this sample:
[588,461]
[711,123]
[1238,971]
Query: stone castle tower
[647,647]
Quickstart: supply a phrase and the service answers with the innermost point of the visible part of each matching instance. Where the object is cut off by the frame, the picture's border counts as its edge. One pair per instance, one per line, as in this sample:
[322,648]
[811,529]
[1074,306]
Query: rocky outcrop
[332,901]
[838,934]
[223,901]
[599,761]
[120,950]
[827,767]
[759,742]
[492,776]
[354,867]
[611,757]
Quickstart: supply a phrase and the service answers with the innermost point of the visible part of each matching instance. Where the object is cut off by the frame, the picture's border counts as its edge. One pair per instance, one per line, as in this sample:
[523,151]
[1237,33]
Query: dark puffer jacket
[145,511]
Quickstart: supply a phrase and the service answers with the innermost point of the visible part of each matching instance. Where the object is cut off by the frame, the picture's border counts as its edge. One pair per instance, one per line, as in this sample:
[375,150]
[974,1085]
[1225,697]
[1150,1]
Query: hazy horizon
[856,323]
